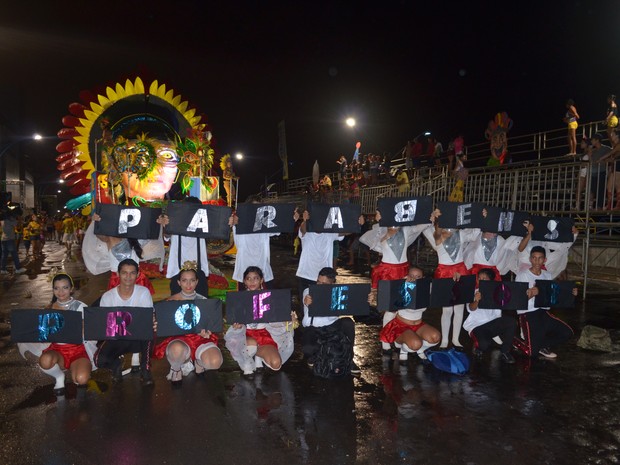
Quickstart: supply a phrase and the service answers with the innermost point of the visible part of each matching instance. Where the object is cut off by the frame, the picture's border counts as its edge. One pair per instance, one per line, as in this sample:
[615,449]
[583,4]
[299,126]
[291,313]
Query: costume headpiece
[189,265]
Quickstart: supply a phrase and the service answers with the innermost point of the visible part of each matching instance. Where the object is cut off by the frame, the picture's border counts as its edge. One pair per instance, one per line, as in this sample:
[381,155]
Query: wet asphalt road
[556,412]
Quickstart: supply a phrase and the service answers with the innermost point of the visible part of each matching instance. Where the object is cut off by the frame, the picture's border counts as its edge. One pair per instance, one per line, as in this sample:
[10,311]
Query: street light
[239,156]
[36,137]
[350,122]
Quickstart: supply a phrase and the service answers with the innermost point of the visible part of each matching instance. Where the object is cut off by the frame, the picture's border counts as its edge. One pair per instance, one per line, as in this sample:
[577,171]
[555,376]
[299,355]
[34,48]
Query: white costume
[317,252]
[252,250]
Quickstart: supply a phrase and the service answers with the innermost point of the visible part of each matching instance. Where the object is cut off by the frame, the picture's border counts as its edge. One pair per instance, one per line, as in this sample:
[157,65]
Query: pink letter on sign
[259,307]
[117,324]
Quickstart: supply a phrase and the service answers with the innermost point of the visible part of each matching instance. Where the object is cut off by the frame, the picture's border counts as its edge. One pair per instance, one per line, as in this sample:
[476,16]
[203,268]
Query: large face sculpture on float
[136,140]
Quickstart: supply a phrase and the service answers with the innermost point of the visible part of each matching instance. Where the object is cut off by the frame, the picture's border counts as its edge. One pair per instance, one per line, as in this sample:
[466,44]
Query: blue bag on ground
[450,361]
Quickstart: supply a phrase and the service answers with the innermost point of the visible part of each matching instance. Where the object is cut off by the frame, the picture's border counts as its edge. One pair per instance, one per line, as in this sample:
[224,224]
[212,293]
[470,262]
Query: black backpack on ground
[333,360]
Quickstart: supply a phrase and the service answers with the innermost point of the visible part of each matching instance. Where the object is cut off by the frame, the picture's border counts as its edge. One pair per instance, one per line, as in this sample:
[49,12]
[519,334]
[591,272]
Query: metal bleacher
[540,179]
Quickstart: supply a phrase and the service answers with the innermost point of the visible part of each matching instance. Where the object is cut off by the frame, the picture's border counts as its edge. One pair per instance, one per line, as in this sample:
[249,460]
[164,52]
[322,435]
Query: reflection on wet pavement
[557,412]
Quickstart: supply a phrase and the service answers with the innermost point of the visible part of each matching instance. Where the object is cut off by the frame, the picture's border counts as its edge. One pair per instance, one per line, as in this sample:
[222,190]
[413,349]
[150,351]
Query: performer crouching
[200,348]
[59,356]
[257,343]
[484,325]
[406,328]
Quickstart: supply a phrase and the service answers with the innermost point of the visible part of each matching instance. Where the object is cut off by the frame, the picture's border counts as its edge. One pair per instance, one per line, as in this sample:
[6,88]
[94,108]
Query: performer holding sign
[186,248]
[181,350]
[126,294]
[392,243]
[253,249]
[315,326]
[406,329]
[59,356]
[556,253]
[257,343]
[104,253]
[541,329]
[484,325]
[489,250]
[449,245]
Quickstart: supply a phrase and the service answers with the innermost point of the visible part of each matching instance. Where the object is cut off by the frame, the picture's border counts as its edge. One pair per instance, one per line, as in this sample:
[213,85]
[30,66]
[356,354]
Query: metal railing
[541,179]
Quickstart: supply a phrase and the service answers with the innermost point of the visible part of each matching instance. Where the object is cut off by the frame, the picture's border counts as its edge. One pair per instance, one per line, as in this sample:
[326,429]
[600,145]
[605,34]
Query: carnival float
[133,144]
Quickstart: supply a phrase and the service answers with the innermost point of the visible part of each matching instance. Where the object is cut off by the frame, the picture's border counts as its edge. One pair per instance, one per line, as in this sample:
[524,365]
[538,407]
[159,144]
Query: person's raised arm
[526,239]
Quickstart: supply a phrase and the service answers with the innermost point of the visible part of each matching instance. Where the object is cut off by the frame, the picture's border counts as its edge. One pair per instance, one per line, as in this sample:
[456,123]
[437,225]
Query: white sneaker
[20,270]
[547,353]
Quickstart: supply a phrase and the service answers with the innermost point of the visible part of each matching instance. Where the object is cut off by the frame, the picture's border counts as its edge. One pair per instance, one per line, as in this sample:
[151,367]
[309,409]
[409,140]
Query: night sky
[399,68]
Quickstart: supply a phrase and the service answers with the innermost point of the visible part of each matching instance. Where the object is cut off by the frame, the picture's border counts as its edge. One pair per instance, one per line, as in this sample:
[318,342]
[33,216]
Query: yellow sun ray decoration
[132,142]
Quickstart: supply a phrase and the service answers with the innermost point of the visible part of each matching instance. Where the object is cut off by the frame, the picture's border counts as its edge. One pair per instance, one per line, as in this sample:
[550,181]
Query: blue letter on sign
[187,316]
[339,298]
[50,323]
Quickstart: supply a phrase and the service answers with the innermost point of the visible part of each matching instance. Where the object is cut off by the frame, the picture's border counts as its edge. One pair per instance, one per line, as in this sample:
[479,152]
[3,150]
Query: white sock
[135,360]
[446,320]
[458,324]
[498,340]
[58,374]
[425,346]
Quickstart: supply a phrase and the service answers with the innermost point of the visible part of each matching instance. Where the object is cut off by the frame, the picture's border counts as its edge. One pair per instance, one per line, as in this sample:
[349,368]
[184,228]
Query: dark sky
[398,67]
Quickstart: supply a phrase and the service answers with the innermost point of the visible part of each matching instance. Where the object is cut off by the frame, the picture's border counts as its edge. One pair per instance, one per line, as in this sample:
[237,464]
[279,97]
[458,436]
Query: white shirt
[443,257]
[479,317]
[501,258]
[392,250]
[141,297]
[252,250]
[527,276]
[317,321]
[189,251]
[317,252]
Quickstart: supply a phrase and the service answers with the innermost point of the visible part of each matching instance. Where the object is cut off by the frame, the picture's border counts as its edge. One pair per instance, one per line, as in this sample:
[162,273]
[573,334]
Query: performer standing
[449,245]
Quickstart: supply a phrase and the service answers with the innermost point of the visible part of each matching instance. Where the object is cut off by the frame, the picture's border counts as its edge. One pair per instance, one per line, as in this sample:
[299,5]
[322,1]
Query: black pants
[542,330]
[504,327]
[109,352]
[309,338]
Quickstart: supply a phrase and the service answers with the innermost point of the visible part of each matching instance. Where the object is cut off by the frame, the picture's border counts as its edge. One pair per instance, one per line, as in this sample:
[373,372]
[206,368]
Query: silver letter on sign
[463,214]
[505,221]
[333,217]
[264,219]
[128,219]
[199,221]
[405,211]
[553,233]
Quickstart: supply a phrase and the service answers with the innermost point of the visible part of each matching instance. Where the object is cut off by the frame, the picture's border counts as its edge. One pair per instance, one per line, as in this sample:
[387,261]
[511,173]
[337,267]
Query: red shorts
[476,267]
[261,336]
[142,281]
[388,272]
[395,328]
[69,352]
[192,340]
[447,271]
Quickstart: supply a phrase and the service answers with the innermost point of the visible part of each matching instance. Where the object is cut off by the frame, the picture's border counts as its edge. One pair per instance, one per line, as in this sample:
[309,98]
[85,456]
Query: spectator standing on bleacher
[611,120]
[598,170]
[342,168]
[571,118]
